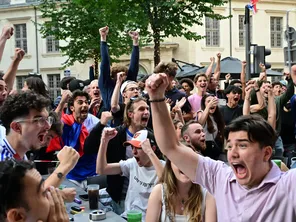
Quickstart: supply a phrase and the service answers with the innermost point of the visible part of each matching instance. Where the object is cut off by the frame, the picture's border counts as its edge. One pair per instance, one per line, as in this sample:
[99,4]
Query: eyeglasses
[39,120]
[132,89]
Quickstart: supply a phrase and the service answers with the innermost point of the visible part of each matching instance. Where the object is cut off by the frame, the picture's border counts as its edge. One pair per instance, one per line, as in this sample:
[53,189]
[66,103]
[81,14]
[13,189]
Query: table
[84,216]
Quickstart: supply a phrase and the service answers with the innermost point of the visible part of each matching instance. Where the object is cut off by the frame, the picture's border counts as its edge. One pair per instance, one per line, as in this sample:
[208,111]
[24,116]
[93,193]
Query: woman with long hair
[37,85]
[177,199]
[212,121]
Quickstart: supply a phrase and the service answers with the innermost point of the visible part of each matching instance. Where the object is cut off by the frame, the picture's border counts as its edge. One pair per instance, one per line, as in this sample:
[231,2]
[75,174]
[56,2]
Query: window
[21,36]
[54,85]
[20,82]
[276,27]
[52,45]
[241,27]
[212,32]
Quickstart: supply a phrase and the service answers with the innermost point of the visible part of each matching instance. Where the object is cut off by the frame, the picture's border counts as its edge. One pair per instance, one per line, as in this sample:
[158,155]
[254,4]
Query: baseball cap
[283,82]
[124,85]
[65,81]
[138,138]
[78,84]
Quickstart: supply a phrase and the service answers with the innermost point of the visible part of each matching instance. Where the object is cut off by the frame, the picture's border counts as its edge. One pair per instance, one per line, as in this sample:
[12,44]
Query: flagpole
[248,43]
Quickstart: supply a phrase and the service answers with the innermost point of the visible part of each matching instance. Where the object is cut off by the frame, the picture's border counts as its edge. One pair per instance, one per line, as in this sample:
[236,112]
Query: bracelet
[157,100]
[257,90]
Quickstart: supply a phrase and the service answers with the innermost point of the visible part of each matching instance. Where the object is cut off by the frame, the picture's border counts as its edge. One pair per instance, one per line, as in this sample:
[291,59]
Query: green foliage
[78,22]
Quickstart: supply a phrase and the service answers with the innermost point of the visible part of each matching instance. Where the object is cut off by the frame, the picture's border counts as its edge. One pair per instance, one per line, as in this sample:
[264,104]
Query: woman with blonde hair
[177,199]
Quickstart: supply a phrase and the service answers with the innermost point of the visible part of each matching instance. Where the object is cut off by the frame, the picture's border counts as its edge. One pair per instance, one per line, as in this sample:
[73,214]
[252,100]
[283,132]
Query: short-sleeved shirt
[195,102]
[230,114]
[141,182]
[274,199]
[7,152]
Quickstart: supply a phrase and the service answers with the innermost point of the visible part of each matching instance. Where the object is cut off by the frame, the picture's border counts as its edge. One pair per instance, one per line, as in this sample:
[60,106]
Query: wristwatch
[60,175]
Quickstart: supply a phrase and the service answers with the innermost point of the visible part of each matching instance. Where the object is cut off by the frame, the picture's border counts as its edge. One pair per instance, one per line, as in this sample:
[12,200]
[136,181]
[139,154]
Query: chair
[98,179]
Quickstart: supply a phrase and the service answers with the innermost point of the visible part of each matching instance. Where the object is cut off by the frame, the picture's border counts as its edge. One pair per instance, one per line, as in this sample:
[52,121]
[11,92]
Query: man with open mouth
[136,116]
[27,122]
[253,187]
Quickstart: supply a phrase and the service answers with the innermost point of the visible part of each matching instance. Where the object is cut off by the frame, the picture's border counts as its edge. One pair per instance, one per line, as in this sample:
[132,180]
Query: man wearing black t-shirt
[232,109]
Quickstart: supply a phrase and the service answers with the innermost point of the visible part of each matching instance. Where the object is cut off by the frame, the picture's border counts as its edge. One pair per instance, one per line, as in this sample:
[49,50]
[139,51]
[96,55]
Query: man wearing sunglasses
[25,117]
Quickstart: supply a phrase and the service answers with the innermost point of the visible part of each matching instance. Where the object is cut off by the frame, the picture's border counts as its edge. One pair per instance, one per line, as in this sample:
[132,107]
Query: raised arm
[135,57]
[146,147]
[210,68]
[105,77]
[65,97]
[286,96]
[247,101]
[177,109]
[68,158]
[116,93]
[92,142]
[271,109]
[102,166]
[7,32]
[217,71]
[10,74]
[243,78]
[156,85]
[261,103]
[203,116]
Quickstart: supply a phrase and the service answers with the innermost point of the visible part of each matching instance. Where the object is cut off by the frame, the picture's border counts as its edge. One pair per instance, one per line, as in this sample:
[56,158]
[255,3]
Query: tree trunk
[96,68]
[156,49]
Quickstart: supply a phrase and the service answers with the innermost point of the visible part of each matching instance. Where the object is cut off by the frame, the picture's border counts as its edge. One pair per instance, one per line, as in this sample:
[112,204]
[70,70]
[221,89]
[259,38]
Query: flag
[253,5]
[74,135]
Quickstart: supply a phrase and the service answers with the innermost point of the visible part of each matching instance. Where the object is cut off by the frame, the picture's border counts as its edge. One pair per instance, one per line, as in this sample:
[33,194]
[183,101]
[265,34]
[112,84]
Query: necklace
[182,204]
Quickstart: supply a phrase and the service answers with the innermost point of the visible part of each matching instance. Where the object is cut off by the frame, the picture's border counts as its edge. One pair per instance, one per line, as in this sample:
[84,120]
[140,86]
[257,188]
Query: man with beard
[192,132]
[136,118]
[253,186]
[75,131]
[25,117]
[128,89]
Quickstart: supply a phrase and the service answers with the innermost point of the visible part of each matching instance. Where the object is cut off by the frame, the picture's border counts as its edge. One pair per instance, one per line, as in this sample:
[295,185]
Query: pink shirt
[195,101]
[273,200]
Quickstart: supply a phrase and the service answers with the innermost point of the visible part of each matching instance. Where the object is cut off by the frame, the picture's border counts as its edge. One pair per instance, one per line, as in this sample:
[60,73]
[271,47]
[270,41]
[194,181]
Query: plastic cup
[93,196]
[134,216]
[277,162]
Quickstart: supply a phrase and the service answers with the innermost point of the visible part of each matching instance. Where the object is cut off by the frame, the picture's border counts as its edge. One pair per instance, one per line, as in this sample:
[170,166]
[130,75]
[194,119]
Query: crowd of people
[173,150]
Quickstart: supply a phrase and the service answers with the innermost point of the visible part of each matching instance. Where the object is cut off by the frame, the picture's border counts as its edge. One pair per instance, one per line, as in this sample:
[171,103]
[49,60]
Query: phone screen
[84,197]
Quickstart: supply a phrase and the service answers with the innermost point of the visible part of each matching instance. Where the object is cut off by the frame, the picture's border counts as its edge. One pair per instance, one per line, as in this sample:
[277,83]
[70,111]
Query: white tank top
[179,218]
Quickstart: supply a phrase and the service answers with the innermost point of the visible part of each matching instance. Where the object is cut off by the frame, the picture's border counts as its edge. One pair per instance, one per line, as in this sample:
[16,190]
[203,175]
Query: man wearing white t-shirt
[143,170]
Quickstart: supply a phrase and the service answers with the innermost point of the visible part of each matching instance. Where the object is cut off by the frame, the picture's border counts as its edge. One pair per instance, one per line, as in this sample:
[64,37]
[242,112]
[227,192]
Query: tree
[172,18]
[78,22]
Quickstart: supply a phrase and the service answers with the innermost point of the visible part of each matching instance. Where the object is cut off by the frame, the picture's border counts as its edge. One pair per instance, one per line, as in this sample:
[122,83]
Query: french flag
[253,5]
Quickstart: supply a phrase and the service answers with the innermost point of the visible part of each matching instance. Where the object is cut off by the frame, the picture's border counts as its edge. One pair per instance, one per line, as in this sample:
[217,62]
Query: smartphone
[84,197]
[222,102]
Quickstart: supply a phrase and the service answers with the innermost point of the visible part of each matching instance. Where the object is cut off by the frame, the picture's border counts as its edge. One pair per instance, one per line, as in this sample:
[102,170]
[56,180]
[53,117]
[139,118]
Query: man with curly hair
[27,122]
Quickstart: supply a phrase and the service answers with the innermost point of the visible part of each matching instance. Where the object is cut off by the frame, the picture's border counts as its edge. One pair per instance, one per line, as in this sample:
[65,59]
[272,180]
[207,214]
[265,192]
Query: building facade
[42,54]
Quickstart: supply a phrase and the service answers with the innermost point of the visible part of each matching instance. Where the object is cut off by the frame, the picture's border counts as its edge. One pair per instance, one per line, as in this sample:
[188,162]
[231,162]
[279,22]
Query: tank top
[177,217]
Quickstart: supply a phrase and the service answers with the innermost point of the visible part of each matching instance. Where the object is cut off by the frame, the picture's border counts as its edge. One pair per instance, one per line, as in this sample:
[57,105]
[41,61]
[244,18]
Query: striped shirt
[7,152]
